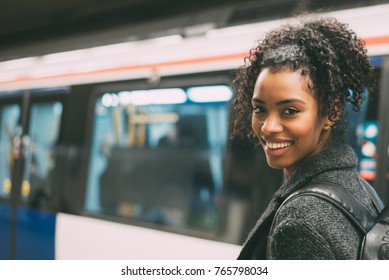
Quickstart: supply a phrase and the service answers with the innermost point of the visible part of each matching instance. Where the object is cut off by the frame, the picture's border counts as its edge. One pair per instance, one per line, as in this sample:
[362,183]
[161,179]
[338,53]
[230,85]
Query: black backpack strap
[374,197]
[341,199]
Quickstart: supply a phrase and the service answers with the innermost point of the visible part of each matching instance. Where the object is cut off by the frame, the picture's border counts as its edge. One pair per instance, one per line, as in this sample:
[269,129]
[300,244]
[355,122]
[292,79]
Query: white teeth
[278,145]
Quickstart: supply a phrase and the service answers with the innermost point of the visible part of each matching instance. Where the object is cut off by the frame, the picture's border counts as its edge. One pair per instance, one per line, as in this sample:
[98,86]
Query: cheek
[256,125]
[308,131]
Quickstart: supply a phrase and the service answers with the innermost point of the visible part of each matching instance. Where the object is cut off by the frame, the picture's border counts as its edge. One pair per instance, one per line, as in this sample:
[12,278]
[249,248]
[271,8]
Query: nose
[271,125]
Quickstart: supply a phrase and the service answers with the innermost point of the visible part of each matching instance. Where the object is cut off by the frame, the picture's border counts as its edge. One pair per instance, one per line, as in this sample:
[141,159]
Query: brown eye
[290,111]
[258,110]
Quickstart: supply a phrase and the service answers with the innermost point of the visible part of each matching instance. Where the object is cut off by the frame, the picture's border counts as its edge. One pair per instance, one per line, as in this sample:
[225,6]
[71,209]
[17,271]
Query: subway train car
[122,151]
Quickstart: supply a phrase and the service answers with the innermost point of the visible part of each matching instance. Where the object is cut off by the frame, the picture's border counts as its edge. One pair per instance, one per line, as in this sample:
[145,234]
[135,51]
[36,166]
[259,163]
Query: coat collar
[332,158]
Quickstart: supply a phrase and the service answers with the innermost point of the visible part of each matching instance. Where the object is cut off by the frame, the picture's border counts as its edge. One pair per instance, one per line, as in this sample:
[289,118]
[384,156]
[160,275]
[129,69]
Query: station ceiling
[35,27]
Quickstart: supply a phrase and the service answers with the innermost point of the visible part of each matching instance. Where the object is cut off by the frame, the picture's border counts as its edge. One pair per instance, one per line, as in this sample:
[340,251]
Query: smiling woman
[290,99]
[286,120]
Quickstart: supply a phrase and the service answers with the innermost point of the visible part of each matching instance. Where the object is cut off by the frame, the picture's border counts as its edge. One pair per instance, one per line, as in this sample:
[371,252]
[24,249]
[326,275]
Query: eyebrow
[282,102]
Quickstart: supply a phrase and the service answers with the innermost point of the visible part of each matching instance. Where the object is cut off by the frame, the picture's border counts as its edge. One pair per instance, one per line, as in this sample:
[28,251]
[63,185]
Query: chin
[275,165]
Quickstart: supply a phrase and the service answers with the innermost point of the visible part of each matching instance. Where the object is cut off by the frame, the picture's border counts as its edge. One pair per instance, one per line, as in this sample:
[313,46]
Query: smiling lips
[277,145]
[276,149]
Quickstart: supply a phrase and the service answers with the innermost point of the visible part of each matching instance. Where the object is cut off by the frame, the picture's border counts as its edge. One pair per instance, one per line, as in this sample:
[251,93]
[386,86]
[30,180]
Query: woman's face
[286,120]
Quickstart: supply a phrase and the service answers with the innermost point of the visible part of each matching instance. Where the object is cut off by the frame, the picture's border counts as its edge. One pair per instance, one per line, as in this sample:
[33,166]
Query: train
[123,151]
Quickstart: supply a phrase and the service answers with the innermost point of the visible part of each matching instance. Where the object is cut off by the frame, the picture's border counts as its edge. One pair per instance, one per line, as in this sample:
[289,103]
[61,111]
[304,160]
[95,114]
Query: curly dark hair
[326,50]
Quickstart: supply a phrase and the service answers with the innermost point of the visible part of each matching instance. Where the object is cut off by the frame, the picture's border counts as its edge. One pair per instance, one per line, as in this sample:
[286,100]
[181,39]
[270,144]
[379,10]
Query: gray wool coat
[308,227]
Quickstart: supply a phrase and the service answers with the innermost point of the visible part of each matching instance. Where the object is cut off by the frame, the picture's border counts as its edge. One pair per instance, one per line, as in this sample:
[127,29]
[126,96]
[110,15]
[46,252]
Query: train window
[43,132]
[9,131]
[157,156]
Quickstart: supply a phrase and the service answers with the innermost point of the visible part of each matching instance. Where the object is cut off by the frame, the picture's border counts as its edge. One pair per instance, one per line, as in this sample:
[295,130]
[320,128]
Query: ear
[327,123]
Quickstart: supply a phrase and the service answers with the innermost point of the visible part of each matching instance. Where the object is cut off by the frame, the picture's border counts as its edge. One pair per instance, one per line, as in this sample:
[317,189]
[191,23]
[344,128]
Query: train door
[382,179]
[35,136]
[10,131]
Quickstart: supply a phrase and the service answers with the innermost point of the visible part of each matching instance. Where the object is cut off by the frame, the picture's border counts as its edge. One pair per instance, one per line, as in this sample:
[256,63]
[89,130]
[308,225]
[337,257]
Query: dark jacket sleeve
[297,239]
[310,228]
